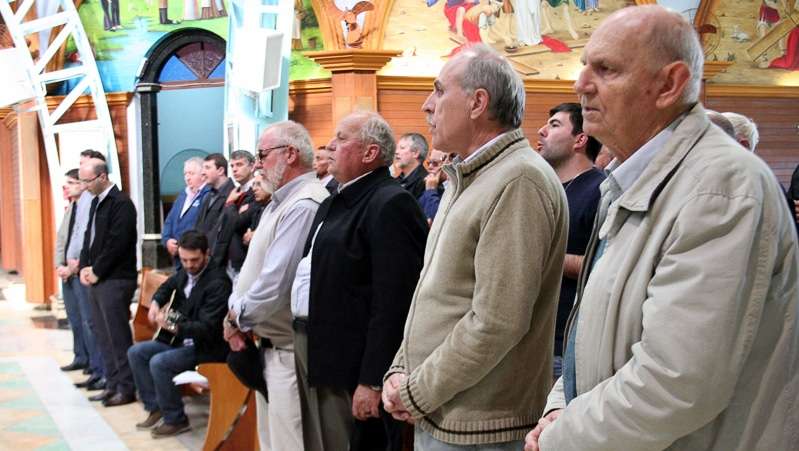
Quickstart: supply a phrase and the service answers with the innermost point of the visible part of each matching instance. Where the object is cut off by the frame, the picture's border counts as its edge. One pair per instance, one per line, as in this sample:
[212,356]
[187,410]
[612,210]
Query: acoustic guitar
[163,334]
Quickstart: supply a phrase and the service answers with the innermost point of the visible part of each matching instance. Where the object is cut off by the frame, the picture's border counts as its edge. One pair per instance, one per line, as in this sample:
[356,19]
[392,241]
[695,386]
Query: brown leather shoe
[152,419]
[169,430]
[119,399]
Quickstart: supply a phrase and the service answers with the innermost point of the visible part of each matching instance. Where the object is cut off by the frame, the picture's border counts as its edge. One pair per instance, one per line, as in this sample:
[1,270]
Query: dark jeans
[80,292]
[72,306]
[154,365]
[110,301]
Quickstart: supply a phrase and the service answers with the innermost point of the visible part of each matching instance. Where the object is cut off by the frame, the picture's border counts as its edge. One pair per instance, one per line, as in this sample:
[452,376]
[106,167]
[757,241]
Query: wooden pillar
[354,79]
[35,268]
[9,230]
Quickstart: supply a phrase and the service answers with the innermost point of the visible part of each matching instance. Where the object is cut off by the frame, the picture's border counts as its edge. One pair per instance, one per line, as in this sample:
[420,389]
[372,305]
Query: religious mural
[122,31]
[760,38]
[544,38]
[305,36]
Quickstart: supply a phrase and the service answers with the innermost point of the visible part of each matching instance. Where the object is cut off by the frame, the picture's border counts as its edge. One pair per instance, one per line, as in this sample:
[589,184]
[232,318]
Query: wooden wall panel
[314,111]
[117,106]
[777,120]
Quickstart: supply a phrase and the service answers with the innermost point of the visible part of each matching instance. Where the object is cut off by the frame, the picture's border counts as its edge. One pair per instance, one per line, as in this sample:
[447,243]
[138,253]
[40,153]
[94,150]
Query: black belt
[300,325]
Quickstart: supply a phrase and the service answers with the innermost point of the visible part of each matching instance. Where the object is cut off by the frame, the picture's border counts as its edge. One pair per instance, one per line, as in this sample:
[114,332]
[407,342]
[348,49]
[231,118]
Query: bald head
[660,37]
[642,69]
[94,174]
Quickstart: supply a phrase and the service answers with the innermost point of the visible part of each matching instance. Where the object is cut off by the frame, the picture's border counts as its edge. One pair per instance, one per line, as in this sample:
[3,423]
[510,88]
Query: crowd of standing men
[662,292]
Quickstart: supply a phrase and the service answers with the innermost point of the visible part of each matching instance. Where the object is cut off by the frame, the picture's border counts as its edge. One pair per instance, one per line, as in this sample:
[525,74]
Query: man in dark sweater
[571,153]
[411,152]
[108,268]
[191,333]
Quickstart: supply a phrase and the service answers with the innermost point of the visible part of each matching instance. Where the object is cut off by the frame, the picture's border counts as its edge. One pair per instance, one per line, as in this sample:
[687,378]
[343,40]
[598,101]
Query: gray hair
[294,134]
[722,122]
[196,161]
[744,128]
[418,143]
[375,130]
[242,155]
[488,70]
[677,40]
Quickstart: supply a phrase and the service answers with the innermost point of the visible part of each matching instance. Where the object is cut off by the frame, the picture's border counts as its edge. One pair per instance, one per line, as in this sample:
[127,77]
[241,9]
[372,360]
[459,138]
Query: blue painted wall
[190,123]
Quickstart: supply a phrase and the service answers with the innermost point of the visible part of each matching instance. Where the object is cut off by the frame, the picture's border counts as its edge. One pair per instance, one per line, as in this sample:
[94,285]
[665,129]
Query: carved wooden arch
[375,24]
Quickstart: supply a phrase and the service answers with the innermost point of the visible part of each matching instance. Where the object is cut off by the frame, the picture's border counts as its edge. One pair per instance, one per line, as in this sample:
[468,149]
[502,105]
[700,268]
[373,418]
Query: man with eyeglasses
[73,288]
[261,298]
[108,269]
[435,183]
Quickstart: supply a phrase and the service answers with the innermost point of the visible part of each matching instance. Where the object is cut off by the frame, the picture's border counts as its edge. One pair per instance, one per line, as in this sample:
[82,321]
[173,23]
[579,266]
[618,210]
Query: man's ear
[674,79]
[580,141]
[371,154]
[479,103]
[292,156]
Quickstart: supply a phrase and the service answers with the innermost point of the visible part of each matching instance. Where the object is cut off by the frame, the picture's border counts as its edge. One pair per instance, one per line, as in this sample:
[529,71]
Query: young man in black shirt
[571,153]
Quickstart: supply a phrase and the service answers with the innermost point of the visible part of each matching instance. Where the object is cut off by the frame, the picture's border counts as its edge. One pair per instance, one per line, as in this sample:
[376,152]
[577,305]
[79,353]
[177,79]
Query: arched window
[197,63]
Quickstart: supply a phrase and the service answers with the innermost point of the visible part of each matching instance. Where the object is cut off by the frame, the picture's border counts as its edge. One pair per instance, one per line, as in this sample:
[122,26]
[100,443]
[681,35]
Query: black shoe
[152,419]
[169,430]
[98,385]
[119,400]
[87,382]
[74,366]
[103,396]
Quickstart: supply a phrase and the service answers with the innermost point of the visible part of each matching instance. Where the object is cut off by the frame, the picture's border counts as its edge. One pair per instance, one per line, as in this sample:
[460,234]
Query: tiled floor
[40,408]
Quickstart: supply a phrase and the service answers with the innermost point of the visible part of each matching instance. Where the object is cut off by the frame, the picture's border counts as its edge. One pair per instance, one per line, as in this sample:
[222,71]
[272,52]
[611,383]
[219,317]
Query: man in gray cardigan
[475,363]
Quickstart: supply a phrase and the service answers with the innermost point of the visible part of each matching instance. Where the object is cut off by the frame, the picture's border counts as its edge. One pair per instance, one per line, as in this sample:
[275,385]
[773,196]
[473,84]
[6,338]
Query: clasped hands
[235,338]
[391,398]
[87,276]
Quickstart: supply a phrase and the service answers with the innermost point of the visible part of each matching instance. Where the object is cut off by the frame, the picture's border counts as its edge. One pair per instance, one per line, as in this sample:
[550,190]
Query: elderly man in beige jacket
[683,335]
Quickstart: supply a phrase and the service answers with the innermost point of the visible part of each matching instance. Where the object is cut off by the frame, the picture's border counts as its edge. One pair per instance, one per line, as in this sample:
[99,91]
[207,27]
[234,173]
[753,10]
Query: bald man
[683,335]
[108,269]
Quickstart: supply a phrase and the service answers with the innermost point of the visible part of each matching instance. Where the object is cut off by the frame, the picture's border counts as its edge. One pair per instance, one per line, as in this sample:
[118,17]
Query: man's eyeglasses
[90,180]
[263,154]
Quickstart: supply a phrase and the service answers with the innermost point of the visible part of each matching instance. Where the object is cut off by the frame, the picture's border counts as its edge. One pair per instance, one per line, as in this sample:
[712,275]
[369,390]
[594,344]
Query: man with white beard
[261,298]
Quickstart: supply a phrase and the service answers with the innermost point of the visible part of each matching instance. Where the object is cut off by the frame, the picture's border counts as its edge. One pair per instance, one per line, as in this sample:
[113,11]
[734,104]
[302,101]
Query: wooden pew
[228,427]
[150,281]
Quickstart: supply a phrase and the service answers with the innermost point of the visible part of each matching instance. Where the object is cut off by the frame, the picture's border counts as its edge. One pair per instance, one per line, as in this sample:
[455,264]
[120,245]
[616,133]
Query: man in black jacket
[229,250]
[215,171]
[190,334]
[108,267]
[353,289]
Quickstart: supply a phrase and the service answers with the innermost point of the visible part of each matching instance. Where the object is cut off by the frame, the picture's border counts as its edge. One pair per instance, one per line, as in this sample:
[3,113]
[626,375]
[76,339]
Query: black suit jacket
[211,210]
[414,182]
[230,230]
[202,313]
[365,264]
[112,255]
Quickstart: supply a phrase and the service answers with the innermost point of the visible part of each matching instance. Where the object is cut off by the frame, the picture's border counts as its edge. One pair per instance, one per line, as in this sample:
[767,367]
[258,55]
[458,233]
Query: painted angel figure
[353,33]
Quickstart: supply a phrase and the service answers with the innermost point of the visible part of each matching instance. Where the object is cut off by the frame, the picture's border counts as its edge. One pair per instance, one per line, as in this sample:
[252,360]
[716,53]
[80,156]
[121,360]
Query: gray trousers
[327,421]
[423,441]
[110,301]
